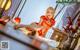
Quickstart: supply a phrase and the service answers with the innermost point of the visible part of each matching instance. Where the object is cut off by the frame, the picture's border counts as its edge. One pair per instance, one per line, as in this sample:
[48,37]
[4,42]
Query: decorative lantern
[5,4]
[17,20]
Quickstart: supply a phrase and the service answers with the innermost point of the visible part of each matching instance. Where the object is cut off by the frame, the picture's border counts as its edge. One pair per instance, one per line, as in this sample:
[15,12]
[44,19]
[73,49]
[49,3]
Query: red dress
[46,23]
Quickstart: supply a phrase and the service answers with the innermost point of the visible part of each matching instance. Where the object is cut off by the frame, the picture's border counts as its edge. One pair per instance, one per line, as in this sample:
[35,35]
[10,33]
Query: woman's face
[50,13]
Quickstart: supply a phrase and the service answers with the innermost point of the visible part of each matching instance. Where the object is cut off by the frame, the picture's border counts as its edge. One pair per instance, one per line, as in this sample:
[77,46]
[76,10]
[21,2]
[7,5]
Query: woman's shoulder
[43,17]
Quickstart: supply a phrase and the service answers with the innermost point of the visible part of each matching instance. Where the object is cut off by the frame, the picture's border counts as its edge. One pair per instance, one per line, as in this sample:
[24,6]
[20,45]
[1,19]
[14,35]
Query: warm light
[8,5]
[17,20]
[2,4]
[56,36]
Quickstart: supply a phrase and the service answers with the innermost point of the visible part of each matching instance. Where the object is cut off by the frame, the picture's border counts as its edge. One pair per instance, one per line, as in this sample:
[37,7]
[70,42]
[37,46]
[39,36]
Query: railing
[60,9]
[19,8]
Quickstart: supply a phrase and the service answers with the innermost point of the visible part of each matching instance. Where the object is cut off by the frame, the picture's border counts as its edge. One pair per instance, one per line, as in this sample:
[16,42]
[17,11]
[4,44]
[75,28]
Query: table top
[9,30]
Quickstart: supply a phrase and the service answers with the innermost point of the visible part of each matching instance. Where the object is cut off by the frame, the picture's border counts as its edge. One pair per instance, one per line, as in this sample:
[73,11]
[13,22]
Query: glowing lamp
[5,4]
[17,20]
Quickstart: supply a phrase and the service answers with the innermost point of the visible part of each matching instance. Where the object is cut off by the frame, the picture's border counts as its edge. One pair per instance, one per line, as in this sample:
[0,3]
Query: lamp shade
[5,2]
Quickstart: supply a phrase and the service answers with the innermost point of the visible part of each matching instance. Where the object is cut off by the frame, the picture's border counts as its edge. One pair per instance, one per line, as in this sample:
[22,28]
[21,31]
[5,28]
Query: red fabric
[40,32]
[44,18]
[2,22]
[46,25]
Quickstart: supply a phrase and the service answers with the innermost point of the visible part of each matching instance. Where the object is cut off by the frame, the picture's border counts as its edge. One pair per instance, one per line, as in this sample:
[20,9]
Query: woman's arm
[19,26]
[41,20]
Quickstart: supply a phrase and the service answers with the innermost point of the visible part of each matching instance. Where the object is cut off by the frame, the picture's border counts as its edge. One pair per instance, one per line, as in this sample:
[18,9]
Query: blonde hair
[51,8]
